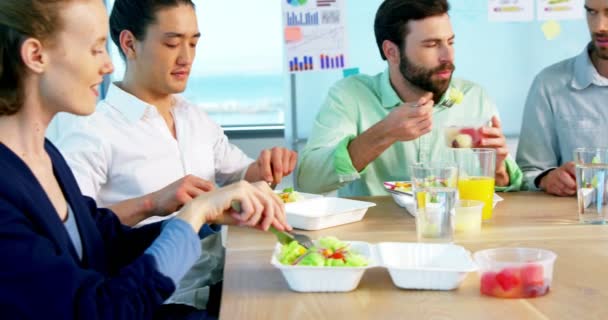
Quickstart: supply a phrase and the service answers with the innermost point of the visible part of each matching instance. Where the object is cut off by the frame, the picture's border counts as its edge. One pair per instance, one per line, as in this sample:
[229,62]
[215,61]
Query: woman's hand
[260,207]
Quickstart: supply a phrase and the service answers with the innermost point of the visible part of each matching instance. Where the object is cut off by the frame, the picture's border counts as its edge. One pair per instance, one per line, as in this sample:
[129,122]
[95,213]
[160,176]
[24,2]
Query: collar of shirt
[389,96]
[131,107]
[585,73]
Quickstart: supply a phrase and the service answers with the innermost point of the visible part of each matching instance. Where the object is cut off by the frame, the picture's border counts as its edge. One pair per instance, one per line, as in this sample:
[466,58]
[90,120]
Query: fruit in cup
[462,141]
[467,137]
[525,282]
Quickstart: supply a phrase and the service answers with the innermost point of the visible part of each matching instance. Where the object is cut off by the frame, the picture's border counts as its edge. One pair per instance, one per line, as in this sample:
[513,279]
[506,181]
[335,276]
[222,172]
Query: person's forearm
[132,211]
[175,250]
[369,145]
[252,174]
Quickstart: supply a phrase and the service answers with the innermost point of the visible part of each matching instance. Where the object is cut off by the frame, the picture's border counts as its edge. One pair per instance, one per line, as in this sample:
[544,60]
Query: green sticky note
[350,72]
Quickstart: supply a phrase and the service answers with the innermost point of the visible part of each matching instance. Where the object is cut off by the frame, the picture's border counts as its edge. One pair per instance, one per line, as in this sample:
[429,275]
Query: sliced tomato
[337,255]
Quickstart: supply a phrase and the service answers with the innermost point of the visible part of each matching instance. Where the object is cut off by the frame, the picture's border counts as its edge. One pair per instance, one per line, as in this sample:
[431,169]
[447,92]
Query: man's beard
[601,53]
[422,77]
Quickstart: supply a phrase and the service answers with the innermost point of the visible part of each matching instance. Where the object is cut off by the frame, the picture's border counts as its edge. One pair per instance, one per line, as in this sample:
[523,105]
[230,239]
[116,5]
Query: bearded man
[372,128]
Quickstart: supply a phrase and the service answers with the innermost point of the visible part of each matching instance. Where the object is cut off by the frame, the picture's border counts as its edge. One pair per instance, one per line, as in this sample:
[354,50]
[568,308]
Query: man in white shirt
[148,151]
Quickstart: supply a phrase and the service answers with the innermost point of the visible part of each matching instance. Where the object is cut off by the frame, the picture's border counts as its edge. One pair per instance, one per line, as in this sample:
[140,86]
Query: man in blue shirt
[566,109]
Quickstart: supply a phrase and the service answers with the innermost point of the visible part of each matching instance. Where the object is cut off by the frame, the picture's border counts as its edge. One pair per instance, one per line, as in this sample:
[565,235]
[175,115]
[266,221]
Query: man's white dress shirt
[125,149]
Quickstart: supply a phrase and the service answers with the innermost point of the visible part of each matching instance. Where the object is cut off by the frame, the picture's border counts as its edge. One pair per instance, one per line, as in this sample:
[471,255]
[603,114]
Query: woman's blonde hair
[19,21]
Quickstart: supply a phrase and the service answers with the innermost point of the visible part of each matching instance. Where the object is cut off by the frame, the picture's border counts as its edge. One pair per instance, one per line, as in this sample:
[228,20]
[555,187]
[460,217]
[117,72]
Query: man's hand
[406,122]
[272,165]
[561,181]
[492,137]
[410,120]
[172,197]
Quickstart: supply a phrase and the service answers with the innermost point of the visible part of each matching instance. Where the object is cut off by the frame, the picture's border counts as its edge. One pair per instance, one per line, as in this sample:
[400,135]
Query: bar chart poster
[315,35]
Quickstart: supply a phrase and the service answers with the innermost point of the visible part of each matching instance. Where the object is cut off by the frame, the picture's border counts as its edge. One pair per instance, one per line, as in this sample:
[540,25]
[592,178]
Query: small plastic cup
[468,217]
[515,272]
[462,136]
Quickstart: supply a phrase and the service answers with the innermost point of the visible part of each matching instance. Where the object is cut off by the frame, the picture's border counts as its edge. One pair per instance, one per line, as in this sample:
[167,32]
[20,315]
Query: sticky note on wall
[293,34]
[551,29]
[350,72]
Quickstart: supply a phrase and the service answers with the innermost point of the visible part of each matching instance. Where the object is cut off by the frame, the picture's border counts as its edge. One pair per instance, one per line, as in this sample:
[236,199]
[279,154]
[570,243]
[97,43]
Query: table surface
[254,289]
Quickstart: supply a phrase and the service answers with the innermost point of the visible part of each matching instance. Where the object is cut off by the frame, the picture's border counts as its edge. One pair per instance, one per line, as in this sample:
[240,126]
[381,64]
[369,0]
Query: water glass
[592,184]
[435,187]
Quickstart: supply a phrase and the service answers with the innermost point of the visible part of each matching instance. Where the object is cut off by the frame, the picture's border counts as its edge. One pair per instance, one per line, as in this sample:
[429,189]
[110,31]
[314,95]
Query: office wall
[502,57]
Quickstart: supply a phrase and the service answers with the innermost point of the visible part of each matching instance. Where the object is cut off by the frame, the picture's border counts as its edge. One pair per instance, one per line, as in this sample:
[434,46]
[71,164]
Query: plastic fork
[283,237]
[447,103]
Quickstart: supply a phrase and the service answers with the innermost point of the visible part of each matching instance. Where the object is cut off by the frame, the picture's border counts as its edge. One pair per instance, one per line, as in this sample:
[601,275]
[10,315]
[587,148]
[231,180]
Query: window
[237,76]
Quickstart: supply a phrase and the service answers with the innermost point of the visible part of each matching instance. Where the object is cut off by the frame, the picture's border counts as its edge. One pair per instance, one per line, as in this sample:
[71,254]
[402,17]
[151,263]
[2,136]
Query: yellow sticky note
[293,34]
[551,29]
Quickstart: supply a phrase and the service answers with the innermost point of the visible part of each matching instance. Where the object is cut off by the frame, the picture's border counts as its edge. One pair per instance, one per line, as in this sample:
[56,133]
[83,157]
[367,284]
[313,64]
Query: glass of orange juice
[476,168]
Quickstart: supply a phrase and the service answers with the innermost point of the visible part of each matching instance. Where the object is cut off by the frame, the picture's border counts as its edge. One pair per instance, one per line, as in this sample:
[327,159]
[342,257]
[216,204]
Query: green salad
[328,252]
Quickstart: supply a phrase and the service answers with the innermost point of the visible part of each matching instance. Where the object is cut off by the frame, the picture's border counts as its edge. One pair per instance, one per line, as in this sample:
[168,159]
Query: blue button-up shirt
[567,108]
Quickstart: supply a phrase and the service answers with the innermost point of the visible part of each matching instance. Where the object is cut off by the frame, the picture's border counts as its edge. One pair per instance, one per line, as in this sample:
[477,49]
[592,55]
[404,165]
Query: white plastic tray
[325,212]
[426,266]
[411,266]
[325,279]
[301,196]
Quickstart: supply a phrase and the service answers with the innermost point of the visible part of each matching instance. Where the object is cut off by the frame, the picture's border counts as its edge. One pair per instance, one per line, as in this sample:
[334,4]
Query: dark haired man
[147,151]
[371,128]
[565,110]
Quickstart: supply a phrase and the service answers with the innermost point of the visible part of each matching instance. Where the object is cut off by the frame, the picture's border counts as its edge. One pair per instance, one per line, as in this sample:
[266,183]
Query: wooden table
[254,289]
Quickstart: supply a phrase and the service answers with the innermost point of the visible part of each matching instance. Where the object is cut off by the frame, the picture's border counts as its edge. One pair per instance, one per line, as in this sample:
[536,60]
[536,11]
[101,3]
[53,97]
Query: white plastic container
[325,212]
[325,279]
[424,265]
[410,265]
[301,196]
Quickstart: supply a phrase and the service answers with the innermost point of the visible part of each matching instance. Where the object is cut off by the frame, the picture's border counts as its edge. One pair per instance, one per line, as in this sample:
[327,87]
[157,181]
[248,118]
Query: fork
[399,193]
[447,103]
[283,237]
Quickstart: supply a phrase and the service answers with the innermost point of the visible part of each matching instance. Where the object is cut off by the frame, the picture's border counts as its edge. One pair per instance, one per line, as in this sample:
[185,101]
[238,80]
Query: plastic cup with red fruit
[515,272]
[463,136]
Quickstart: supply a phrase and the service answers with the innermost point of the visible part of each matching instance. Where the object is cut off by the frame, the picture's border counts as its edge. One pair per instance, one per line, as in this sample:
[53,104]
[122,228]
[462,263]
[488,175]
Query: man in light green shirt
[372,128]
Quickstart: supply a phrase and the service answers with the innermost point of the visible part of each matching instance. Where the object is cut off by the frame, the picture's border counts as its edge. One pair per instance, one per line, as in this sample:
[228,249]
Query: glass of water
[592,184]
[435,186]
